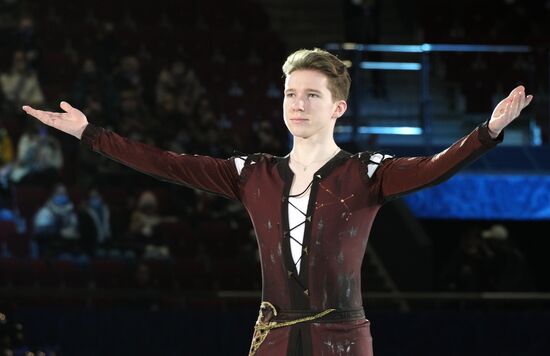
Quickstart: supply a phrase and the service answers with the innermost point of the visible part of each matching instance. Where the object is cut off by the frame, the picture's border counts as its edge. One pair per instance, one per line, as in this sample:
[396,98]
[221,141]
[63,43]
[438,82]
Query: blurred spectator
[273,91]
[218,57]
[156,252]
[128,22]
[142,276]
[26,37]
[206,135]
[6,147]
[94,92]
[143,227]
[94,223]
[146,216]
[106,46]
[268,140]
[133,118]
[57,217]
[235,89]
[253,58]
[508,269]
[97,169]
[467,269]
[143,280]
[53,18]
[127,74]
[362,24]
[180,82]
[487,260]
[20,85]
[165,23]
[180,142]
[457,31]
[168,119]
[9,9]
[39,157]
[6,213]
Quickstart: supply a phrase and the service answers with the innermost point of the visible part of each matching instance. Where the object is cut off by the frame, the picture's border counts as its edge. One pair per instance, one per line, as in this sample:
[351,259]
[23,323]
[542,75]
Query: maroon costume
[344,199]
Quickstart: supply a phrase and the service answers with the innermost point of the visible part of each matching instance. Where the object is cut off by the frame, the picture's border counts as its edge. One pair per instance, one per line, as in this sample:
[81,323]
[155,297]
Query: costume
[345,196]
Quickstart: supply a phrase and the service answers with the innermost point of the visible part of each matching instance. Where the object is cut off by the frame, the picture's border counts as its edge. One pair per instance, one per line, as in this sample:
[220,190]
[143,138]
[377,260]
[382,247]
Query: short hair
[339,80]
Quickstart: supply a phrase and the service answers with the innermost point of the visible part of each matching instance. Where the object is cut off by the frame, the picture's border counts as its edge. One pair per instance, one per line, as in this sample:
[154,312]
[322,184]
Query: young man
[312,210]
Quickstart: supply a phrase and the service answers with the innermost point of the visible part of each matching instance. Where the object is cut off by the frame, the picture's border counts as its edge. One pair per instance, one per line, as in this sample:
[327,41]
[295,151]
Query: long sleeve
[213,175]
[398,176]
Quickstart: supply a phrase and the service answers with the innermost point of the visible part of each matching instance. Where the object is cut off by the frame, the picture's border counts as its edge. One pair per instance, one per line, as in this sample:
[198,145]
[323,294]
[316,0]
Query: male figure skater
[312,210]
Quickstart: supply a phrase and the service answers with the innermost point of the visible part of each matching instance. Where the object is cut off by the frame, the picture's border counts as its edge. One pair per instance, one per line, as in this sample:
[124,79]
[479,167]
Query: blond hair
[339,80]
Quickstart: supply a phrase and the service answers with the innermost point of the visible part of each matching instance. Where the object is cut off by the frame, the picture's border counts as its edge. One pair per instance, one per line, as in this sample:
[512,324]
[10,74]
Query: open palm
[509,109]
[72,121]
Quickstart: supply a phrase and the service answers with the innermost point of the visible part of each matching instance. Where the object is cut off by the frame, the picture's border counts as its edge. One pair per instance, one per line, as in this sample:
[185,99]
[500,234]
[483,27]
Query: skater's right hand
[72,121]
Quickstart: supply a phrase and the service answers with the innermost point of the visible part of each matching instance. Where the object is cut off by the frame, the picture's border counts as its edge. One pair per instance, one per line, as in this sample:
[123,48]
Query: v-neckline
[288,173]
[287,162]
[300,296]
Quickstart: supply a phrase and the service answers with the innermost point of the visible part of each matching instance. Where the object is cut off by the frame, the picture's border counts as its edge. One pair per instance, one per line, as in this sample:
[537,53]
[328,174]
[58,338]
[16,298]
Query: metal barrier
[355,52]
[56,296]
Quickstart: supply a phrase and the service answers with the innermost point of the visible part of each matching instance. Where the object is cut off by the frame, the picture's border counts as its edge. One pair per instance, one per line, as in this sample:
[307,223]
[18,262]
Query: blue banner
[485,197]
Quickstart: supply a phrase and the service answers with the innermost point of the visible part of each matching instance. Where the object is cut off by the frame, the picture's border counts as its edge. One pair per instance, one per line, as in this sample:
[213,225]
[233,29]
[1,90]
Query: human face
[308,106]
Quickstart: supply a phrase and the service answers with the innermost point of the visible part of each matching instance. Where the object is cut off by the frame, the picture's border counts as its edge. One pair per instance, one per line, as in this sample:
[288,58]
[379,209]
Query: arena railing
[354,54]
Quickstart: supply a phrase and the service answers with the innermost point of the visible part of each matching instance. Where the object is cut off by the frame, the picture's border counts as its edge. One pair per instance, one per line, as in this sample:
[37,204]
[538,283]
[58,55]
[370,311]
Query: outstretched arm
[72,121]
[398,176]
[214,175]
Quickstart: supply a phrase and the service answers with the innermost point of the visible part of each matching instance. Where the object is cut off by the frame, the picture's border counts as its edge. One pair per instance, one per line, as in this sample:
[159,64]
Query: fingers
[46,117]
[518,102]
[518,89]
[27,109]
[39,114]
[65,106]
[528,100]
[518,95]
[507,109]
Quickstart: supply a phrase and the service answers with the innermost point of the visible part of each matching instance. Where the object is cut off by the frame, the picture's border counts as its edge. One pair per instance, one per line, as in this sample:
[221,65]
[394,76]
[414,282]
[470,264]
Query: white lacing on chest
[297,208]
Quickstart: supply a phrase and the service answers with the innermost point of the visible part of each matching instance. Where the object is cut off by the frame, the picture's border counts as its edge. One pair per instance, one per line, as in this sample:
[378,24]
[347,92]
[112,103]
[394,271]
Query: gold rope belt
[262,328]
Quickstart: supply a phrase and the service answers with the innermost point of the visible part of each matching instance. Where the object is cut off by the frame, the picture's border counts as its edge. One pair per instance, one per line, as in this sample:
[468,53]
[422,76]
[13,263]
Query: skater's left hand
[508,109]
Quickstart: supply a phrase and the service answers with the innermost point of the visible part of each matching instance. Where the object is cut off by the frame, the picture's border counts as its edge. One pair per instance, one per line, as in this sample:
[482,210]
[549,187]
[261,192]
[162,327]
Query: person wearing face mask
[57,217]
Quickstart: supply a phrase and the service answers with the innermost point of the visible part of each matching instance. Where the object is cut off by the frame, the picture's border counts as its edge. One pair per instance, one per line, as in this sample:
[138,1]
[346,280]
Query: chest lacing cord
[262,327]
[295,227]
[290,273]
